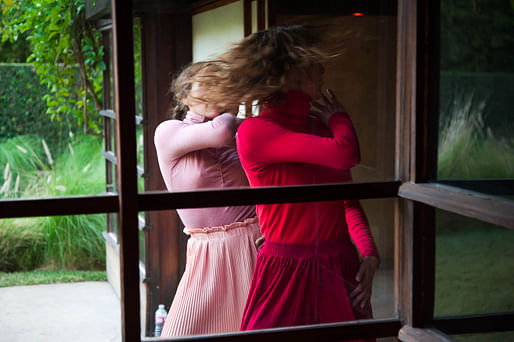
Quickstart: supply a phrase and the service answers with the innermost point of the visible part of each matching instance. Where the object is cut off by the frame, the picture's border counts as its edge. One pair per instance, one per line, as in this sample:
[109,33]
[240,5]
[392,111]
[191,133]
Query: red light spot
[357,14]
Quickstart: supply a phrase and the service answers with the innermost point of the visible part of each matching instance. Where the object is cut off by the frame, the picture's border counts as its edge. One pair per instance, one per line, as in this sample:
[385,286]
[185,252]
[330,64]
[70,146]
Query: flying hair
[258,67]
[182,85]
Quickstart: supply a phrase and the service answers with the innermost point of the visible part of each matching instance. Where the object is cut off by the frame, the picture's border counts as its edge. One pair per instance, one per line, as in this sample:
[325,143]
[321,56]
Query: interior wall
[216,29]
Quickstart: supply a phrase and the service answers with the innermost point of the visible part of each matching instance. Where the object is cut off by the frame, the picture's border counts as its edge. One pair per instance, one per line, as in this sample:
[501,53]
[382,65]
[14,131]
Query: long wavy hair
[258,68]
[182,84]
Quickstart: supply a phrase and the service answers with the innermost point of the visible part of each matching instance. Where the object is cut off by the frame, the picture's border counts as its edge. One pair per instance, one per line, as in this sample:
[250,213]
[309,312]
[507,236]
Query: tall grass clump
[22,160]
[22,245]
[468,149]
[68,242]
[75,241]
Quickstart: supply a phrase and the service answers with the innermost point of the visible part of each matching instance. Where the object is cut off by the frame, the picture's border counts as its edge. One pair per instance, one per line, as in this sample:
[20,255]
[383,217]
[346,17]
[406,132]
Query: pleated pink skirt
[303,284]
[212,293]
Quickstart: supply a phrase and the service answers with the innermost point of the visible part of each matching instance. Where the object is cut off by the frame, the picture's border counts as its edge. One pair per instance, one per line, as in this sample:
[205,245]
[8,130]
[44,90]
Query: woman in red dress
[309,270]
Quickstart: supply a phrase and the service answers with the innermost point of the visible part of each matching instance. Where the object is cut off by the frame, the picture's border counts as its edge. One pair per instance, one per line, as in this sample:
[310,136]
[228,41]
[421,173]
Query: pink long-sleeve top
[200,154]
[286,146]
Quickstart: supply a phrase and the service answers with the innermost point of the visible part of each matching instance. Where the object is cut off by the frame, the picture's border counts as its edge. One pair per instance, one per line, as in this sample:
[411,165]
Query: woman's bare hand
[328,106]
[361,295]
[259,243]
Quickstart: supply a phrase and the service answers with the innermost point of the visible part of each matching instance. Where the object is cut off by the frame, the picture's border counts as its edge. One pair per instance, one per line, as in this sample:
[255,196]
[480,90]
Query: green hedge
[22,109]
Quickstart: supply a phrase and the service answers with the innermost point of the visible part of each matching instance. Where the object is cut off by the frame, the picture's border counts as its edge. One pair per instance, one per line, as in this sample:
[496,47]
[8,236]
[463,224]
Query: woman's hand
[259,243]
[361,295]
[327,107]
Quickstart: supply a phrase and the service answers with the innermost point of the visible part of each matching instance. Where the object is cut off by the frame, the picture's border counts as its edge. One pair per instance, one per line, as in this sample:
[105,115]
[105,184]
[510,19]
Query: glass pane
[221,259]
[476,86]
[363,78]
[50,97]
[53,274]
[474,263]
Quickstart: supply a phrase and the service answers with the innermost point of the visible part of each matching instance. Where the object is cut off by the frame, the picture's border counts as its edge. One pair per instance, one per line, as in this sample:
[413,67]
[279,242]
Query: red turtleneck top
[286,146]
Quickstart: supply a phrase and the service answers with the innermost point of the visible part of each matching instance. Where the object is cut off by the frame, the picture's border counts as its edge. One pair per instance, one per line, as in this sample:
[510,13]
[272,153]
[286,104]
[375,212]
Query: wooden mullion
[424,161]
[124,104]
[487,208]
[247,17]
[266,195]
[473,324]
[261,15]
[322,332]
[405,100]
[423,264]
[57,206]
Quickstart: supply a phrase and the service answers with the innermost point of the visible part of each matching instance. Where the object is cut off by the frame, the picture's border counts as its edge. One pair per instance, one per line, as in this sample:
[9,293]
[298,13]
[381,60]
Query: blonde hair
[259,66]
[182,85]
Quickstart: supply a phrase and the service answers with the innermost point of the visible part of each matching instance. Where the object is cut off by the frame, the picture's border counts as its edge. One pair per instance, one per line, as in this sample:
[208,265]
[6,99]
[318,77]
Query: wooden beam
[58,206]
[410,334]
[308,333]
[495,210]
[473,324]
[124,106]
[266,195]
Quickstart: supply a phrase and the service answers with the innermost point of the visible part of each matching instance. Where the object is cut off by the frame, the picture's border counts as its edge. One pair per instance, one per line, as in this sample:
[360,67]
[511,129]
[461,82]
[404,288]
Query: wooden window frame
[418,193]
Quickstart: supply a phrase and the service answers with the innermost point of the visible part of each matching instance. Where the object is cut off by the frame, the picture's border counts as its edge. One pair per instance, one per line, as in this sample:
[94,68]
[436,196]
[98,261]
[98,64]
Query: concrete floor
[79,312]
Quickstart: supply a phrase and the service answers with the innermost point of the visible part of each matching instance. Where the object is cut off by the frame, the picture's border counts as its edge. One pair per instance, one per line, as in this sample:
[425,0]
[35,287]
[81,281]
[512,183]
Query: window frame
[418,193]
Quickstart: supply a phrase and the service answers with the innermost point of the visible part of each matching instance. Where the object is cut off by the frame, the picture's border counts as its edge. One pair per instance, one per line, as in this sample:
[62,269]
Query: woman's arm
[173,138]
[360,233]
[262,141]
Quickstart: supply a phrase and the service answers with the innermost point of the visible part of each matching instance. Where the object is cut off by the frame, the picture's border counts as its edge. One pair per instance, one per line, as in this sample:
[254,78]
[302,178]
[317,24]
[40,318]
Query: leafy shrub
[22,108]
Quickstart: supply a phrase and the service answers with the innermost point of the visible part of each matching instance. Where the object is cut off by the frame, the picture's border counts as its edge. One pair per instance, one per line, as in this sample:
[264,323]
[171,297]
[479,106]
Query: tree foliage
[477,35]
[66,52]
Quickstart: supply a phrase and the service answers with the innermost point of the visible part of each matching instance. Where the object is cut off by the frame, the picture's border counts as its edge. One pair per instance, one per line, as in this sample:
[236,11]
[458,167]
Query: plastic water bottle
[160,317]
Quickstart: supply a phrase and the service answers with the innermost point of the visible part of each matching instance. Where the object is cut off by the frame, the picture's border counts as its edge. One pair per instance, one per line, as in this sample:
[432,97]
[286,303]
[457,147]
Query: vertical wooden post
[417,108]
[124,104]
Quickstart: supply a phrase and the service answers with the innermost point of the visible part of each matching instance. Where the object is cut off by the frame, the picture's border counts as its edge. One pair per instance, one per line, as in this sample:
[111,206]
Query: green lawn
[49,277]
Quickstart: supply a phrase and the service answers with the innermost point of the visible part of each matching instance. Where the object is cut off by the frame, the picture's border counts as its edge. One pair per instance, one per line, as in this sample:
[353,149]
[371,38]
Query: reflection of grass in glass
[474,270]
[474,260]
[468,149]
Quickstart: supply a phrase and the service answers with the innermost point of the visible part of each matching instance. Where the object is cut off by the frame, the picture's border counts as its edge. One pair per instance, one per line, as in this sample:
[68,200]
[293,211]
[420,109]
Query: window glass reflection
[219,246]
[53,274]
[473,266]
[476,83]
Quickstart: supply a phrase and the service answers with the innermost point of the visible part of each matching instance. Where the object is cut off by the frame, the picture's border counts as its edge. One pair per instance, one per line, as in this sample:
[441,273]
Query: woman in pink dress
[309,270]
[197,150]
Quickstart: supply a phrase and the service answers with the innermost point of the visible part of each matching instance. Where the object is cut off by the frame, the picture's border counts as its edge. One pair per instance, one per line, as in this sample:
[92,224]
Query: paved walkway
[79,312]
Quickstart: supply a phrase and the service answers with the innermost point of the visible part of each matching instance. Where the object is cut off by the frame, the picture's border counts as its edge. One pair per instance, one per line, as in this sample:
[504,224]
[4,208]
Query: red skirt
[303,284]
